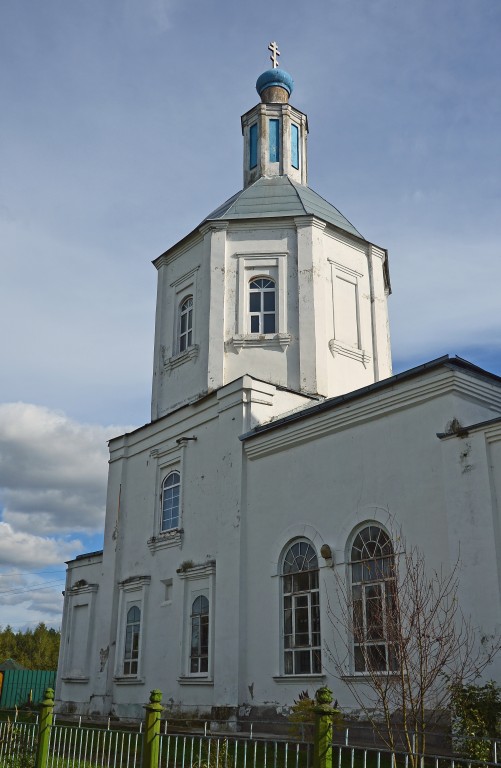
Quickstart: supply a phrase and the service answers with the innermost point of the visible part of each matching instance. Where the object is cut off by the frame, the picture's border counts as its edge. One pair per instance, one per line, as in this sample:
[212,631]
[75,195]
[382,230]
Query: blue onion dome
[274,85]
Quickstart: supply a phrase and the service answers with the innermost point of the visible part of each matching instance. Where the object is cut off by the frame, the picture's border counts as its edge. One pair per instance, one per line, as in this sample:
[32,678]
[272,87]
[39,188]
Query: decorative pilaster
[215,254]
[311,288]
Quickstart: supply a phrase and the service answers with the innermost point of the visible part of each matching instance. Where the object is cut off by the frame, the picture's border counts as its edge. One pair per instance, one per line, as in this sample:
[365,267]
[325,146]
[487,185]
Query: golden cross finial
[273,47]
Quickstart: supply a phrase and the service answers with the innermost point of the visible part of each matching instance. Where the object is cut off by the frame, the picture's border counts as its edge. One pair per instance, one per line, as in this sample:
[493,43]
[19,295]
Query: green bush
[476,710]
[302,717]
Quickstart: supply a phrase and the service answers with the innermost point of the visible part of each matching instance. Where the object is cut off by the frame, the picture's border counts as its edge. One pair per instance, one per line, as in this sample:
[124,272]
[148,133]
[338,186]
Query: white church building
[281,452]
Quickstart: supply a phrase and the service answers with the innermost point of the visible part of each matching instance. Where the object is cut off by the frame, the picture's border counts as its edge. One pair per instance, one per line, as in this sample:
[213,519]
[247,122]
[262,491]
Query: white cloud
[52,471]
[53,474]
[28,551]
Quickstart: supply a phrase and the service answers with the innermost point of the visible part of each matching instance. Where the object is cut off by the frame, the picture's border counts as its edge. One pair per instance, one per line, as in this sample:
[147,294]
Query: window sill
[299,678]
[165,540]
[182,357]
[362,677]
[274,340]
[341,348]
[128,680]
[76,679]
[195,681]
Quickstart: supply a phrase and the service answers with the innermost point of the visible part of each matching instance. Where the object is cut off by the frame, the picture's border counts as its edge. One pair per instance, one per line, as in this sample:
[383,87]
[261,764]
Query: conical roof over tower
[275,283]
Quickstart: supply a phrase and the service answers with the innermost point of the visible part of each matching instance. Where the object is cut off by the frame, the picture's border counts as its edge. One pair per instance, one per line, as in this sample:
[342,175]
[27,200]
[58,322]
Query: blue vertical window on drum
[131,645]
[301,611]
[262,305]
[170,501]
[295,146]
[253,146]
[274,131]
[199,648]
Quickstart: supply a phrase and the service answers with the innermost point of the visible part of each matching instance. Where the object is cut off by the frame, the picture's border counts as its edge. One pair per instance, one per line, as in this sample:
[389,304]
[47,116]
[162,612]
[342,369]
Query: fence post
[44,727]
[151,738]
[322,740]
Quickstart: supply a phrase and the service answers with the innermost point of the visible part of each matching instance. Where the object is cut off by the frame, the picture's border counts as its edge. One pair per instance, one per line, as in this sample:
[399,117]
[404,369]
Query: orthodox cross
[273,47]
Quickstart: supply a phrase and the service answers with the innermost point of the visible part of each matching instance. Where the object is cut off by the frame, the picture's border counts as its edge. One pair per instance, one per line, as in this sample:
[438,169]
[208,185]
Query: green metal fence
[24,686]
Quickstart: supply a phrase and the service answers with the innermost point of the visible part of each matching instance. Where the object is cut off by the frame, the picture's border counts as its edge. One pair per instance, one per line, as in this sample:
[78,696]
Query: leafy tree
[33,649]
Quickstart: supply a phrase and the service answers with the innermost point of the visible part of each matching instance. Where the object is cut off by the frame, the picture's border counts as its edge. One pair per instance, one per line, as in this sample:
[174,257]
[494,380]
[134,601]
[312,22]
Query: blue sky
[120,131]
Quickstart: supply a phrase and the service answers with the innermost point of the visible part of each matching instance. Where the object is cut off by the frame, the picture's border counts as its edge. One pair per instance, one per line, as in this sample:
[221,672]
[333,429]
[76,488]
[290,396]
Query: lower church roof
[456,362]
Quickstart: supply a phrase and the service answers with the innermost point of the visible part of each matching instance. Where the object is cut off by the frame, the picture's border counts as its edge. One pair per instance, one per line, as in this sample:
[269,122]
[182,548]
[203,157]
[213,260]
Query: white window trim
[168,460]
[133,591]
[79,596]
[303,676]
[351,674]
[253,265]
[198,579]
[336,346]
[171,472]
[182,288]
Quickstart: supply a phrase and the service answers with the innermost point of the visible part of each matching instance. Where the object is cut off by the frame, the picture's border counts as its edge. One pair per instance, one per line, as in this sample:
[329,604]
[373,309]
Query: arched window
[301,610]
[262,305]
[131,646]
[199,648]
[373,596]
[170,501]
[186,324]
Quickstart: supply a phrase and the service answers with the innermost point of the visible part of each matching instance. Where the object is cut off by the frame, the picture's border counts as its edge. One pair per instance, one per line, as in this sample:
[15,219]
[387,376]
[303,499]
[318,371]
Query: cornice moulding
[177,250]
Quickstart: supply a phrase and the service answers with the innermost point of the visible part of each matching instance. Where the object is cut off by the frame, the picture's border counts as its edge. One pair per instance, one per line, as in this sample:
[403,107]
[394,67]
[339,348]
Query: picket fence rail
[46,744]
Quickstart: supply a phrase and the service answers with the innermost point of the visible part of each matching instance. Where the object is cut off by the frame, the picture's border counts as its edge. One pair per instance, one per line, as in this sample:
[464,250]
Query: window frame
[290,601]
[200,626]
[167,460]
[382,568]
[261,314]
[261,265]
[185,315]
[81,596]
[131,648]
[179,291]
[199,581]
[338,345]
[177,485]
[133,592]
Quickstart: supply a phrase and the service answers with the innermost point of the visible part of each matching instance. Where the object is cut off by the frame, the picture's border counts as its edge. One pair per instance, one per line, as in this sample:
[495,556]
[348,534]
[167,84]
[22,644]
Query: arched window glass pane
[262,309]
[199,649]
[373,598]
[170,501]
[301,611]
[186,324]
[131,645]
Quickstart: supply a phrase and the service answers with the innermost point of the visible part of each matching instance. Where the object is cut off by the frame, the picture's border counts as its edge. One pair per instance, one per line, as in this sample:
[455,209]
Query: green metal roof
[277,197]
[10,664]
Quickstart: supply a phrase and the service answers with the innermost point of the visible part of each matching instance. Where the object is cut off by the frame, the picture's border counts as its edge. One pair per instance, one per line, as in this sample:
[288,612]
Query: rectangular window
[262,305]
[274,128]
[295,146]
[253,146]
